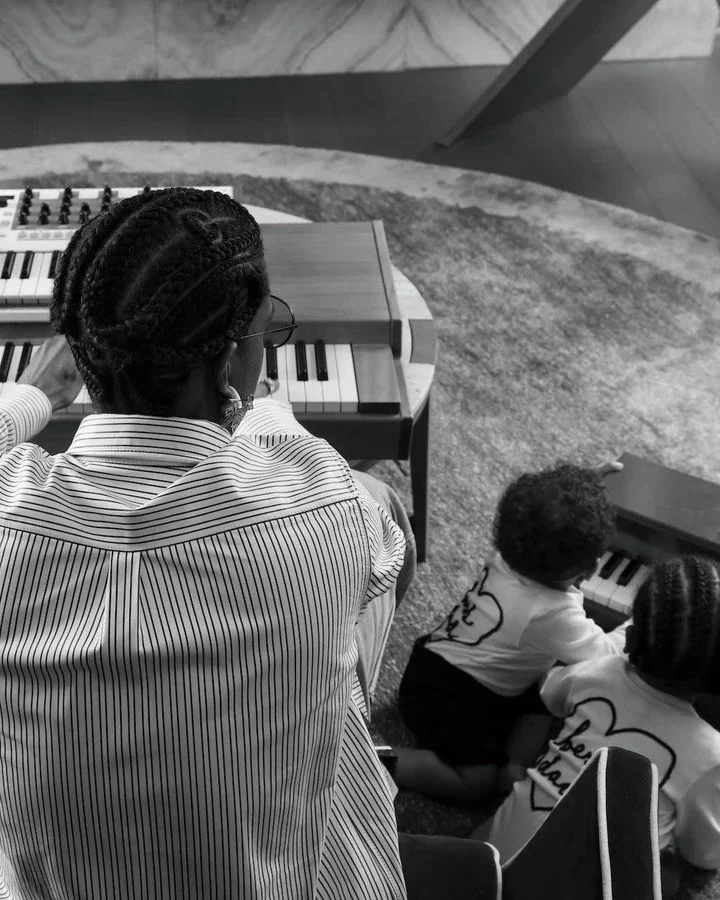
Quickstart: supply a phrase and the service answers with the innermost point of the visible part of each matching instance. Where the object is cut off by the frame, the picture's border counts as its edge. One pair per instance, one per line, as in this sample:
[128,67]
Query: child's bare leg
[528,738]
[424,772]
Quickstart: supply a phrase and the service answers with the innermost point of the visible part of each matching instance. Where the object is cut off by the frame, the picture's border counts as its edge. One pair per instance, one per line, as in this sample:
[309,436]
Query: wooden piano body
[661,513]
[336,276]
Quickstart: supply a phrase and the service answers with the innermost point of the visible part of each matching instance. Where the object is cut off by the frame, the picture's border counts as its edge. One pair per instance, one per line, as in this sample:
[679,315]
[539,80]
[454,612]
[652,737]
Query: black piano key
[611,565]
[24,357]
[9,261]
[53,263]
[5,362]
[628,572]
[301,361]
[27,263]
[321,361]
[271,362]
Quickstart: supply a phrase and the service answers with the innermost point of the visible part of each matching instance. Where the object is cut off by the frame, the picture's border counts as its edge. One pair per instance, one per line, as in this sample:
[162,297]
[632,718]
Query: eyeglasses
[283,318]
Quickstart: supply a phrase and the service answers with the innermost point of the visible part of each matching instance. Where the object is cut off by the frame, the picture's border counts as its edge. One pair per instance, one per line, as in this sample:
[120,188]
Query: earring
[233,410]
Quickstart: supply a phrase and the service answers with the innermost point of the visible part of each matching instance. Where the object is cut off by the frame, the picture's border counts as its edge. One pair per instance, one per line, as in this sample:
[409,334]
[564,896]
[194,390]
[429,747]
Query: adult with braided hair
[642,702]
[193,598]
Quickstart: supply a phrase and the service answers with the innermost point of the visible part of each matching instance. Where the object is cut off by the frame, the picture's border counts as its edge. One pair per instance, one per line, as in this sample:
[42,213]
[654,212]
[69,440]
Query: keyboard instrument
[341,372]
[660,513]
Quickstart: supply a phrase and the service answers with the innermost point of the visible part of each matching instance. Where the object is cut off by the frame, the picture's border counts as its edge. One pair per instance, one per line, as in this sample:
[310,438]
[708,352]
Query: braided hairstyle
[149,289]
[552,524]
[676,624]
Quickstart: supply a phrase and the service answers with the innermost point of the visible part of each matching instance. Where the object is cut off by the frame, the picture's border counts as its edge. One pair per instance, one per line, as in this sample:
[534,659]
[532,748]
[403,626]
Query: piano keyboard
[342,371]
[26,282]
[314,378]
[35,226]
[615,582]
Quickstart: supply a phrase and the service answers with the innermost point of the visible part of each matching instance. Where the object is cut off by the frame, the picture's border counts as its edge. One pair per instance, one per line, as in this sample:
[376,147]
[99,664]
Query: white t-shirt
[508,631]
[606,704]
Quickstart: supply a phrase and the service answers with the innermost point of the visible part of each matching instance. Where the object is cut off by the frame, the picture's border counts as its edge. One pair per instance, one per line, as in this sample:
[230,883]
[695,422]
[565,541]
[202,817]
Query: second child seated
[469,693]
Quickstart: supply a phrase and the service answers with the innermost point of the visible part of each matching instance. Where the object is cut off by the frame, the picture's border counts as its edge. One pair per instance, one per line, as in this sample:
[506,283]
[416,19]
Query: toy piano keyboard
[660,513]
[341,372]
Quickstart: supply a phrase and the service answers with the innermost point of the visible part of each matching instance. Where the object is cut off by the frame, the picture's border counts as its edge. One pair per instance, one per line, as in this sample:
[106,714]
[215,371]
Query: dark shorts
[454,715]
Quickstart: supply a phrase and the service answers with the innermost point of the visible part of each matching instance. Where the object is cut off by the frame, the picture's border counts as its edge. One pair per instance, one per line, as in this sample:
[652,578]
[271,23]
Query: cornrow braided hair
[149,289]
[554,522]
[676,624]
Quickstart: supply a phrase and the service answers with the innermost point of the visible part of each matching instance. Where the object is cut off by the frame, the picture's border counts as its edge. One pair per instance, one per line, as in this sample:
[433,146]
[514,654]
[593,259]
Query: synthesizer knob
[43,218]
[68,192]
[45,208]
[28,193]
[65,206]
[84,217]
[22,218]
[63,218]
[25,207]
[105,206]
[107,192]
[146,190]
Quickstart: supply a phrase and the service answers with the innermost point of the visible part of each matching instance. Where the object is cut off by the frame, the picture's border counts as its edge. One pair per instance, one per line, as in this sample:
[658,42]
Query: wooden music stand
[570,43]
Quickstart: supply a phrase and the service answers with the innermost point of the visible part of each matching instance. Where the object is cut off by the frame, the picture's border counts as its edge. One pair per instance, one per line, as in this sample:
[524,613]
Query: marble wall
[114,40]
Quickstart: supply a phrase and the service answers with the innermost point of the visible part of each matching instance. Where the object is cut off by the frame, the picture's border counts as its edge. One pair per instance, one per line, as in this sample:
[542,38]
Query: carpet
[567,329]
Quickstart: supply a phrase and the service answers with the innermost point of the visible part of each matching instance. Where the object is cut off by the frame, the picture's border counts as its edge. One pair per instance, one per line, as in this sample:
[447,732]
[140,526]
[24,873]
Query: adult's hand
[53,371]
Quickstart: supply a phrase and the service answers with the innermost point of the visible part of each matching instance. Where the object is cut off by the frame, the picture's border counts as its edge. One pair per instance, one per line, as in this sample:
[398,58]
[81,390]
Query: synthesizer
[341,372]
[660,513]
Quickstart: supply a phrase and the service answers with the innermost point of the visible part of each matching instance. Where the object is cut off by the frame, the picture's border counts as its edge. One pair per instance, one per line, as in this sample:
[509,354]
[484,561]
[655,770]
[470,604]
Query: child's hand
[608,467]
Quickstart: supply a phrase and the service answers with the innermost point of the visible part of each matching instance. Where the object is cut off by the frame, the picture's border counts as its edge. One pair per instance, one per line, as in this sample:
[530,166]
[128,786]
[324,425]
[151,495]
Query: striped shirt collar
[153,438]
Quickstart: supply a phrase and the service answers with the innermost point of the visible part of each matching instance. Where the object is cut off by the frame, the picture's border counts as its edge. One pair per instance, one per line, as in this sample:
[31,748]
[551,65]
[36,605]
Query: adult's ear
[221,367]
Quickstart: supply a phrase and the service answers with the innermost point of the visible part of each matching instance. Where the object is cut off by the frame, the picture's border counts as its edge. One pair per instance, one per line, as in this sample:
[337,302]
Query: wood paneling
[116,40]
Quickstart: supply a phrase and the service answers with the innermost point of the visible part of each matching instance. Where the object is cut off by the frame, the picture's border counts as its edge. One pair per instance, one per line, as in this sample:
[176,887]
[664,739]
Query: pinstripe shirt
[179,711]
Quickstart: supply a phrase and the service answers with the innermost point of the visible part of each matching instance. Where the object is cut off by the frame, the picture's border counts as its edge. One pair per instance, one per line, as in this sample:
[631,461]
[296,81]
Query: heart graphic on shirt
[597,717]
[462,614]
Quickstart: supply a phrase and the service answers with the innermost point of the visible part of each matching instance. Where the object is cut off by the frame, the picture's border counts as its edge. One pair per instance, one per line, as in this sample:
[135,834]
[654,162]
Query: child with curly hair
[643,703]
[469,692]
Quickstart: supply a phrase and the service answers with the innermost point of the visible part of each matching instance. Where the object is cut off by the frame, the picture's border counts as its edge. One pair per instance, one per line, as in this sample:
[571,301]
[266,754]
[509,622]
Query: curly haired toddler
[469,692]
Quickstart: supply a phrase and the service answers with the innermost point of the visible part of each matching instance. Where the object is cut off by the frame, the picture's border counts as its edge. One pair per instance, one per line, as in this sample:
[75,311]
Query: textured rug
[567,328]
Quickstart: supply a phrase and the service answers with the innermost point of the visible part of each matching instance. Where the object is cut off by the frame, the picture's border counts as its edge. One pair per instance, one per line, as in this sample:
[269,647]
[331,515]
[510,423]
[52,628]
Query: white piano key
[623,596]
[44,287]
[590,585]
[45,194]
[313,387]
[608,585]
[28,286]
[331,387]
[88,193]
[346,378]
[282,391]
[75,408]
[84,398]
[295,388]
[11,286]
